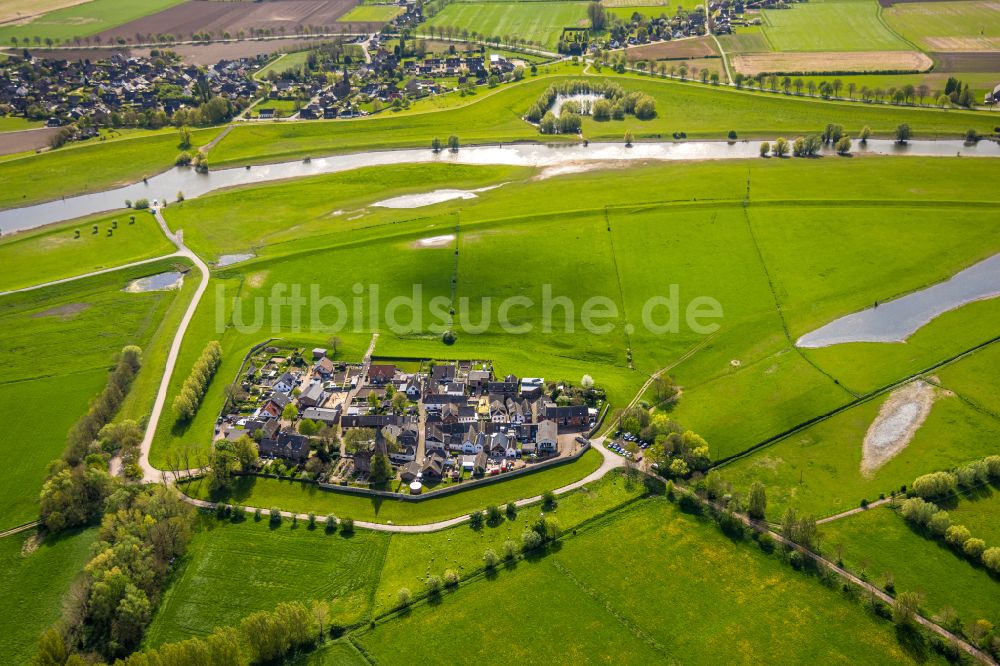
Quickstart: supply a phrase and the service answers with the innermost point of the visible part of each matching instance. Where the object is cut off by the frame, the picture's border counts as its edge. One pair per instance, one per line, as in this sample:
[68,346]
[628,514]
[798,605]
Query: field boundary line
[621,291]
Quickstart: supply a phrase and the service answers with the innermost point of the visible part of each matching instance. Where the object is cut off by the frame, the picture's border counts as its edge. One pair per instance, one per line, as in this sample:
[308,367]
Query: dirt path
[854,511]
[20,528]
[149,473]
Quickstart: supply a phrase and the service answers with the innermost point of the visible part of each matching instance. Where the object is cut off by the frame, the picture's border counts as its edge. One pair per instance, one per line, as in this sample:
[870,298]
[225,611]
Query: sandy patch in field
[30,545]
[897,422]
[858,61]
[435,241]
[256,279]
[570,168]
[67,311]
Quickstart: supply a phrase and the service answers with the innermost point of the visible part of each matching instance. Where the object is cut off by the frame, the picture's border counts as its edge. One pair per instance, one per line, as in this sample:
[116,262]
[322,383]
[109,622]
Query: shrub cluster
[143,533]
[78,482]
[187,401]
[614,104]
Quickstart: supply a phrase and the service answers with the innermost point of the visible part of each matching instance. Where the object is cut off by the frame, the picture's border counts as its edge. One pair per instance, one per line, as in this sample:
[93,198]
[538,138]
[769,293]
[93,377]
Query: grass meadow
[947,26]
[879,541]
[33,584]
[539,22]
[233,569]
[83,19]
[303,497]
[56,352]
[818,470]
[371,14]
[608,583]
[980,512]
[52,253]
[830,25]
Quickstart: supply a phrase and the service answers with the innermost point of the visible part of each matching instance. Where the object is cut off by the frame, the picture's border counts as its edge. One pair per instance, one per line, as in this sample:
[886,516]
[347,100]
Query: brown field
[198,16]
[699,47]
[16,11]
[25,140]
[986,61]
[839,61]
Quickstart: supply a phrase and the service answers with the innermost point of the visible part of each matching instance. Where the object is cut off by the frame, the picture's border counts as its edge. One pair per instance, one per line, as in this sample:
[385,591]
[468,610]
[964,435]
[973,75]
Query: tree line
[77,482]
[614,104]
[187,401]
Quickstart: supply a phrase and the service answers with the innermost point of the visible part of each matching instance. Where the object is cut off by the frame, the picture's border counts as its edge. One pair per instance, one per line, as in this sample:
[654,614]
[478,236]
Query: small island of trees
[614,103]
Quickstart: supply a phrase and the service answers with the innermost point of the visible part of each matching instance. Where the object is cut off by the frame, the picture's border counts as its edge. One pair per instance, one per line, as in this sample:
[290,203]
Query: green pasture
[371,14]
[608,582]
[947,26]
[58,346]
[17,124]
[750,39]
[980,512]
[538,22]
[879,541]
[974,378]
[413,557]
[833,25]
[818,470]
[285,62]
[92,167]
[83,19]
[33,584]
[233,569]
[302,497]
[53,253]
[646,11]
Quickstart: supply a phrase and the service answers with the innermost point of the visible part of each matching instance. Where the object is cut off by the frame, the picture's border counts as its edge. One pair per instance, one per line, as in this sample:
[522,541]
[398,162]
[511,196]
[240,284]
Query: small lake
[159,282]
[193,184]
[898,319]
[430,198]
[585,100]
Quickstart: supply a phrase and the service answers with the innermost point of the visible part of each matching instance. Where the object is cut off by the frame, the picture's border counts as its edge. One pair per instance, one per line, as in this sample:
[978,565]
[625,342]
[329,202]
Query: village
[407,425]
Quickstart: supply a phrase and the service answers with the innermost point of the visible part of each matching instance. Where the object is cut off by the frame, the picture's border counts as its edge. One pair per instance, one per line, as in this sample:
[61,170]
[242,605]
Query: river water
[898,319]
[165,186]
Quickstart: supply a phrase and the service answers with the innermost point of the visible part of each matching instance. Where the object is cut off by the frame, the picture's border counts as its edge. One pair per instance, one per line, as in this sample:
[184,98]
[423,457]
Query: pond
[898,319]
[585,100]
[430,198]
[159,282]
[163,186]
[229,259]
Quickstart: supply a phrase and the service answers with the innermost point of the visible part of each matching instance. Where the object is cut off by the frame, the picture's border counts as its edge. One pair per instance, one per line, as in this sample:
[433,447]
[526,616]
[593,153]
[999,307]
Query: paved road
[150,473]
[90,274]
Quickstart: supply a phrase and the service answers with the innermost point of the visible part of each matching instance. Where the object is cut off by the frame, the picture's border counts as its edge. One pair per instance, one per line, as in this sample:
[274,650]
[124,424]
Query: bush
[511,511]
[403,597]
[450,578]
[957,535]
[510,550]
[331,524]
[433,584]
[531,540]
[493,515]
[141,204]
[476,520]
[490,558]
[732,135]
[548,500]
[974,547]
[991,558]
[347,525]
[312,520]
[935,484]
[449,337]
[275,515]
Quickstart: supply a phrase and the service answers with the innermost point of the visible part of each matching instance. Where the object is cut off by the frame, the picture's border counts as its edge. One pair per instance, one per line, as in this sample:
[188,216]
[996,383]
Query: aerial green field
[979,512]
[371,14]
[607,583]
[830,25]
[82,20]
[818,470]
[879,542]
[233,569]
[540,23]
[285,62]
[53,253]
[947,26]
[303,498]
[973,378]
[645,10]
[33,584]
[37,326]
[17,123]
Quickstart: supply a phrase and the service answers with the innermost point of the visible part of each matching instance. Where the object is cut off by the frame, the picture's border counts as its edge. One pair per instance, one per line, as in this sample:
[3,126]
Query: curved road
[610,461]
[150,473]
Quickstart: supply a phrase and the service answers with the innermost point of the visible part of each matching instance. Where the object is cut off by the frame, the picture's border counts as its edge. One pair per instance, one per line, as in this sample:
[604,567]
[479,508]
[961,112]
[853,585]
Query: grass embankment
[91,167]
[33,583]
[53,252]
[607,584]
[54,378]
[303,497]
[879,542]
[699,110]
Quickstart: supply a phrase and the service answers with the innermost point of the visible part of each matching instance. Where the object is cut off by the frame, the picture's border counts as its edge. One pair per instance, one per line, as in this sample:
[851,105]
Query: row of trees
[78,482]
[944,484]
[675,451]
[144,530]
[936,523]
[954,92]
[187,401]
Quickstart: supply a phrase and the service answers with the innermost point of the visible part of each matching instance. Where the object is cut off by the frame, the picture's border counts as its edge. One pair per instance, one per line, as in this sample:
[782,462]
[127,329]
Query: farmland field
[539,22]
[616,617]
[371,14]
[969,25]
[879,541]
[752,64]
[80,19]
[831,25]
